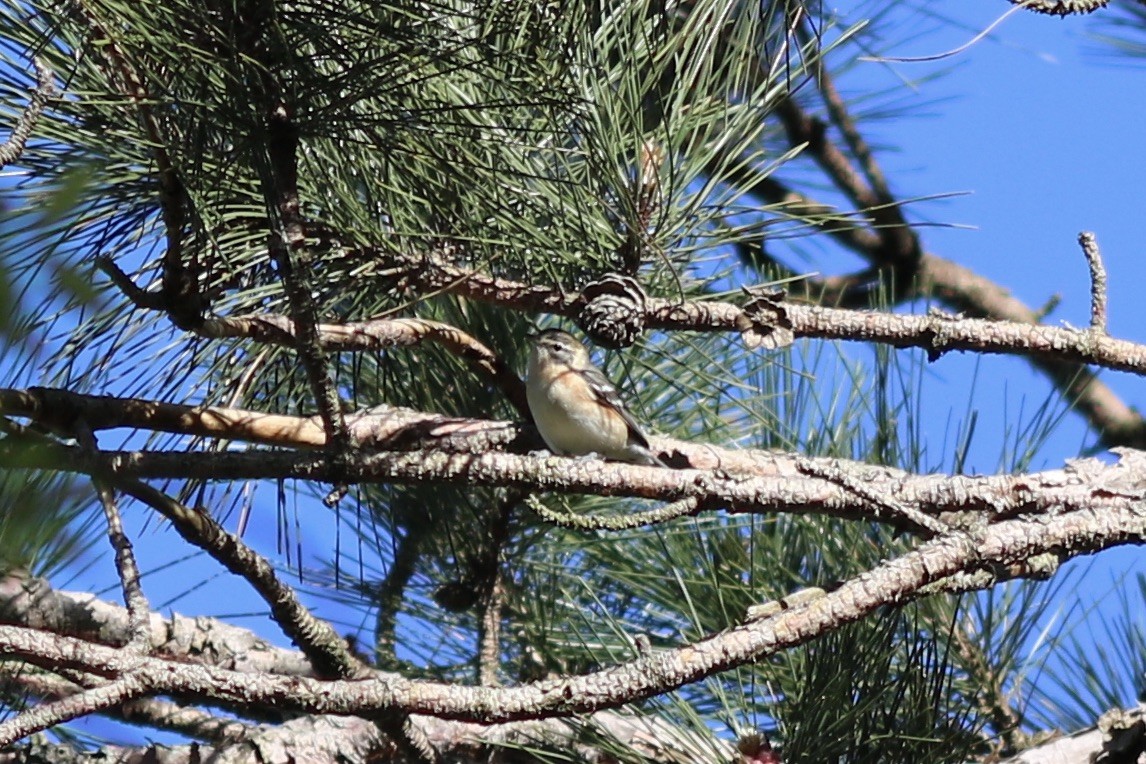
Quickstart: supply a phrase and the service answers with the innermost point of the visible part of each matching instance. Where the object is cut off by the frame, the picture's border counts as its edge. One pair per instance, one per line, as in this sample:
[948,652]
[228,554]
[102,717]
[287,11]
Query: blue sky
[1038,140]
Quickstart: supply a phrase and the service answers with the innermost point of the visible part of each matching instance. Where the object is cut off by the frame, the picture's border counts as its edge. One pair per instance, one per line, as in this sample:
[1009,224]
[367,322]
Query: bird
[576,408]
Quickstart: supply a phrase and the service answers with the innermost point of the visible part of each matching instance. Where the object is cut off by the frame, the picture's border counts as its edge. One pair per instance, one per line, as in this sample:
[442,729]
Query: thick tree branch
[1015,334]
[968,292]
[740,481]
[156,714]
[94,700]
[327,738]
[936,333]
[1071,533]
[33,603]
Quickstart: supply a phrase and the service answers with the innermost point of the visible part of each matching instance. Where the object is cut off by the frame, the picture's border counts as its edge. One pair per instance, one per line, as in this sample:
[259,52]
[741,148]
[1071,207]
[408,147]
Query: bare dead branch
[91,701]
[1089,245]
[138,607]
[841,476]
[157,714]
[1072,533]
[382,427]
[1015,334]
[379,334]
[327,651]
[1040,567]
[33,603]
[741,481]
[325,738]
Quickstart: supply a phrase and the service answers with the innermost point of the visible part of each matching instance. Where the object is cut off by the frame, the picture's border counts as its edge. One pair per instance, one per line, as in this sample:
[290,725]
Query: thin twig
[292,258]
[390,592]
[842,119]
[835,473]
[866,187]
[180,295]
[13,148]
[991,697]
[489,634]
[487,570]
[138,608]
[1089,245]
[682,508]
[138,296]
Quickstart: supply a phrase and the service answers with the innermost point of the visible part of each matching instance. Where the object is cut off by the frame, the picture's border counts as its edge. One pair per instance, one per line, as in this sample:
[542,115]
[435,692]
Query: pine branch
[1072,533]
[742,481]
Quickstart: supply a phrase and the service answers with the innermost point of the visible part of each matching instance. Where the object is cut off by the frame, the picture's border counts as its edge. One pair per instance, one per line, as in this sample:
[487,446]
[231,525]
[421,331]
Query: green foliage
[45,522]
[1120,33]
[1089,674]
[902,707]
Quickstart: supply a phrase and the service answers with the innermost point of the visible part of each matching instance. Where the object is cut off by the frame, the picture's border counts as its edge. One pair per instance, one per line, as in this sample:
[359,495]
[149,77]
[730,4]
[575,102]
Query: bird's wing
[607,394]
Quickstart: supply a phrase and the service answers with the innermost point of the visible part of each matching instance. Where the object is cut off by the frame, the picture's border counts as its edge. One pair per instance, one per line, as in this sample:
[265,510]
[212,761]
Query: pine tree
[297,248]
